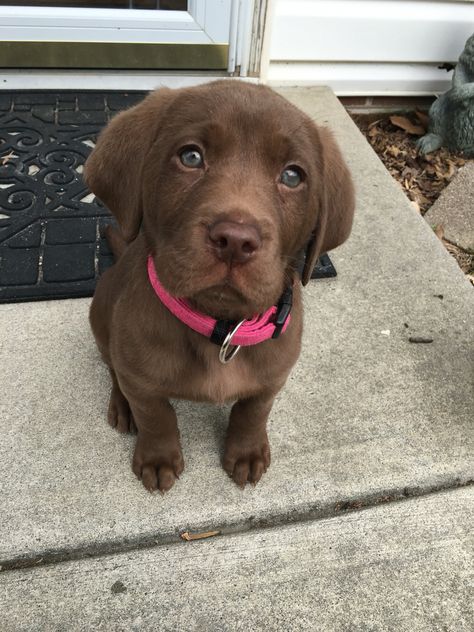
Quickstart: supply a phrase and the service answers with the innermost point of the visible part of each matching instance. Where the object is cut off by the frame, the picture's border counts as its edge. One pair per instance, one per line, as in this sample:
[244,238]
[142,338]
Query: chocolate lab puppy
[217,190]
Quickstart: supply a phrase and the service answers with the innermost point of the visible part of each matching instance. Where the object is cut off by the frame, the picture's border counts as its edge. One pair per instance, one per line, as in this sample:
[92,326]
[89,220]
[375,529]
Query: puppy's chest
[207,379]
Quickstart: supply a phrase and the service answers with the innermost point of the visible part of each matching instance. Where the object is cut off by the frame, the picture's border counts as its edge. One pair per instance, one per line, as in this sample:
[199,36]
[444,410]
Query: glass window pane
[91,4]
[173,5]
[164,5]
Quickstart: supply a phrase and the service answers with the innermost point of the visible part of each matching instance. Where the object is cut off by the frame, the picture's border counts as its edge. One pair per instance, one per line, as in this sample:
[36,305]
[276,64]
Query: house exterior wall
[366,47]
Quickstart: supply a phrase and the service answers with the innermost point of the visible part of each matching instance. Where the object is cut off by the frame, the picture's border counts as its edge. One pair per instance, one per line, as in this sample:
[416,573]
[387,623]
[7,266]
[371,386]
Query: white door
[97,34]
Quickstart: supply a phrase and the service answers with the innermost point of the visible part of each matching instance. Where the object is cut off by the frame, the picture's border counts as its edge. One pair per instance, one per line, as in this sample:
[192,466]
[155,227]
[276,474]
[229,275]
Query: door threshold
[104,80]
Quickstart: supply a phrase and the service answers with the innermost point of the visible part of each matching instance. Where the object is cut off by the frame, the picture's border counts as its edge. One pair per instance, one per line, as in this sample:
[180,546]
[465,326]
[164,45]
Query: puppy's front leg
[247,451]
[158,459]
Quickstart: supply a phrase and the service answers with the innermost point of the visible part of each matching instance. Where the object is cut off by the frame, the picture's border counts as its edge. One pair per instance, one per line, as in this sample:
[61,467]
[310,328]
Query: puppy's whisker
[290,259]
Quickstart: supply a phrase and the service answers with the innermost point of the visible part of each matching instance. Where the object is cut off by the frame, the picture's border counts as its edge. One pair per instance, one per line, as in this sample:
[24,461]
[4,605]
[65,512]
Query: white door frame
[205,22]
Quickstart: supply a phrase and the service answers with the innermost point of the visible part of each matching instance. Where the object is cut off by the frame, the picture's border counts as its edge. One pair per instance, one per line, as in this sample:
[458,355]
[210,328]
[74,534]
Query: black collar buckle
[284,306]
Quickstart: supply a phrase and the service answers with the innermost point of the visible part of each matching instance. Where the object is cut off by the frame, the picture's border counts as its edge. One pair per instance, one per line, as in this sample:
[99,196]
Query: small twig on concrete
[198,536]
[419,339]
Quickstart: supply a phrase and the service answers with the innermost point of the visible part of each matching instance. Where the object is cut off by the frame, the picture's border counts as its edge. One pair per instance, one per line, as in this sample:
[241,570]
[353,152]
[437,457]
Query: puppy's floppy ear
[336,204]
[113,170]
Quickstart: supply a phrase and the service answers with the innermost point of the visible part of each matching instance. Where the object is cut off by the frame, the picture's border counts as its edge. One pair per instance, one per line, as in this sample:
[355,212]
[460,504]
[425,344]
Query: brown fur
[248,135]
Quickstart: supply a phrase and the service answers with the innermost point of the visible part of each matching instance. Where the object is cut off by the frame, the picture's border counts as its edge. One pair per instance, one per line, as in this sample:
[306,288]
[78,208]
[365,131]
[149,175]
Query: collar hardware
[283,311]
[259,328]
[225,357]
[221,331]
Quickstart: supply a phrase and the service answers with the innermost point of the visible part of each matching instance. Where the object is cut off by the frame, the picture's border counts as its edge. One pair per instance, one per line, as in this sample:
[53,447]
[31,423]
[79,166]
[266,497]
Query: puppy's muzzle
[234,242]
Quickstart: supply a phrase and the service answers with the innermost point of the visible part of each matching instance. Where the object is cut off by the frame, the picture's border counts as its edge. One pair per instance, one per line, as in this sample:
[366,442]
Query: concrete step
[404,566]
[453,211]
[365,415]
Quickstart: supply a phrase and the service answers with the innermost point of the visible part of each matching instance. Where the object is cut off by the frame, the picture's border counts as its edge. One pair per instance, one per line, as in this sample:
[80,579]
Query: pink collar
[250,332]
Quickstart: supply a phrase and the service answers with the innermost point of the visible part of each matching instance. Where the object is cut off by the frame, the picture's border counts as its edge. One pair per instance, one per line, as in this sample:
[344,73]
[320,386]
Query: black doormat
[50,223]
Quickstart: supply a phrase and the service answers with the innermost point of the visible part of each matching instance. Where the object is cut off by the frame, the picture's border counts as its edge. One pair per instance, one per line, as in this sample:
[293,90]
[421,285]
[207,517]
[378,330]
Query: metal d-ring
[224,357]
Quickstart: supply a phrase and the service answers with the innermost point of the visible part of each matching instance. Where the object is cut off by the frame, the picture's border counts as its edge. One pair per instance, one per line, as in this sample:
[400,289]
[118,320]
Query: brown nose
[233,242]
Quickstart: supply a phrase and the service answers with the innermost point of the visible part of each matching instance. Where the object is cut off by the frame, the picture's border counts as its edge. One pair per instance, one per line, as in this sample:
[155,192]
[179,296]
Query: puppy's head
[229,183]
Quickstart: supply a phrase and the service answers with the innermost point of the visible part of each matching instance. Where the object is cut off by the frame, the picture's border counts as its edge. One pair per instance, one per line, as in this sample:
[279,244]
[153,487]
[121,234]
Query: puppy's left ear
[113,171]
[336,204]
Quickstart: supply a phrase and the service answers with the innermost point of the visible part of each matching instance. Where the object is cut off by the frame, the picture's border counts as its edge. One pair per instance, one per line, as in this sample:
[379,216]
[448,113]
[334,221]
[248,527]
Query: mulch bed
[423,178]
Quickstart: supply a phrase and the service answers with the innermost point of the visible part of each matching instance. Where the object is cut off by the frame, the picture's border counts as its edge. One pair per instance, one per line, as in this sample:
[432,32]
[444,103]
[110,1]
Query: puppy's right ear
[336,203]
[113,170]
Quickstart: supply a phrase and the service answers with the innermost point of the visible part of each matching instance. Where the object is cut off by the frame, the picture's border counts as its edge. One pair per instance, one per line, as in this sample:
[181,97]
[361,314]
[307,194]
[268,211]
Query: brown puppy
[225,185]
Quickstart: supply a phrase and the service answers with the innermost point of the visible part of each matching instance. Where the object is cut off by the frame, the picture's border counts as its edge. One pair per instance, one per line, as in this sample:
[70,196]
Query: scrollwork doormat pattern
[50,223]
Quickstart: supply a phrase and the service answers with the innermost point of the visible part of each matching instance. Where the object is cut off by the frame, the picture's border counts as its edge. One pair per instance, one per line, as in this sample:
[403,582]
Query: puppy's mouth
[224,301]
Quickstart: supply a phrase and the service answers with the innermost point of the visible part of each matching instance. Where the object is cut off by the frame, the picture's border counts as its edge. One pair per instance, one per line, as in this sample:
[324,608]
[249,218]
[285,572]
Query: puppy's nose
[234,242]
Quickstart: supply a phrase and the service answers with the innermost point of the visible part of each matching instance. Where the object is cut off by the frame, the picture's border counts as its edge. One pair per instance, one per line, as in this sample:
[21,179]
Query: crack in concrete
[147,541]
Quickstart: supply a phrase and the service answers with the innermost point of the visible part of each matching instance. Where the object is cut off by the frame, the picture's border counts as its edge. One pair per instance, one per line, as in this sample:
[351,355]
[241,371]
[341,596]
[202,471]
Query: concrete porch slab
[404,566]
[454,209]
[365,415]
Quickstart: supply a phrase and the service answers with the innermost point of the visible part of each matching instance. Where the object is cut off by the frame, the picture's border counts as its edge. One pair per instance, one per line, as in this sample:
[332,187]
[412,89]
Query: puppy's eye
[191,157]
[291,177]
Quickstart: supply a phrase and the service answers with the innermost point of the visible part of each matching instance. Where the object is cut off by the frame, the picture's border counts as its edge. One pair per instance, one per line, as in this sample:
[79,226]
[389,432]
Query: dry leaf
[393,151]
[439,231]
[408,172]
[423,118]
[373,131]
[373,124]
[7,158]
[430,170]
[451,248]
[407,125]
[419,198]
[451,170]
[198,536]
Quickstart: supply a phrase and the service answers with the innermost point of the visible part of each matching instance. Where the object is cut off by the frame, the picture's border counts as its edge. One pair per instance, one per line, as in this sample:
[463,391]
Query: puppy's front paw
[119,414]
[246,459]
[157,464]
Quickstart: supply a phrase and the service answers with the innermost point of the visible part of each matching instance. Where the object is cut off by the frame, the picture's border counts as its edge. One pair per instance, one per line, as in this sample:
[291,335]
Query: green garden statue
[452,114]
